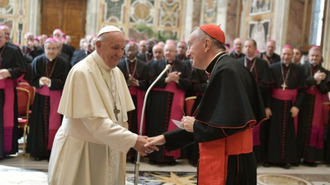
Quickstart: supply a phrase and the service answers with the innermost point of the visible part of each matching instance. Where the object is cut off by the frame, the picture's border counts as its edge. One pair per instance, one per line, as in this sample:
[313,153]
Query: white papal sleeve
[110,133]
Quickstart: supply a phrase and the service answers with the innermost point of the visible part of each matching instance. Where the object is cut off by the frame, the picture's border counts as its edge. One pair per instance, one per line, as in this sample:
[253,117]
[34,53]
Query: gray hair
[202,35]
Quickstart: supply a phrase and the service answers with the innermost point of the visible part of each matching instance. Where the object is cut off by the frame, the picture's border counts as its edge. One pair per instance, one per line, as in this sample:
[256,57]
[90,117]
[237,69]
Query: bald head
[58,34]
[131,50]
[2,38]
[182,47]
[142,46]
[271,46]
[158,51]
[238,45]
[6,30]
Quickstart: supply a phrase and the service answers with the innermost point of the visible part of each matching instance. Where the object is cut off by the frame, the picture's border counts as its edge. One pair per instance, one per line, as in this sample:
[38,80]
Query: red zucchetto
[214,31]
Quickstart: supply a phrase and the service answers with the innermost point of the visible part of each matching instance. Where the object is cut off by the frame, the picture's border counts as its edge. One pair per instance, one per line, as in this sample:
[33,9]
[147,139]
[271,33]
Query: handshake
[146,145]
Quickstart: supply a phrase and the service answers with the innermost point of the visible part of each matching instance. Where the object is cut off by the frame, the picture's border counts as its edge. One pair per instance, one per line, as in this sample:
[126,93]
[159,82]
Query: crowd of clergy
[294,90]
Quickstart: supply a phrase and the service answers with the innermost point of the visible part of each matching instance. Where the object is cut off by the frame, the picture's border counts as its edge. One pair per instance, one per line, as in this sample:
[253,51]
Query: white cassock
[91,145]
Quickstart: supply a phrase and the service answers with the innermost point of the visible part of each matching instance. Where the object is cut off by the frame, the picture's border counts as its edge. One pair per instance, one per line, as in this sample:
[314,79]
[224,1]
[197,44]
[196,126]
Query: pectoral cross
[116,111]
[284,86]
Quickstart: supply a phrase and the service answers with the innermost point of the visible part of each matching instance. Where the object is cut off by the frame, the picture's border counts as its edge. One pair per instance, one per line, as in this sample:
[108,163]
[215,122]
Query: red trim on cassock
[139,101]
[176,110]
[287,95]
[54,117]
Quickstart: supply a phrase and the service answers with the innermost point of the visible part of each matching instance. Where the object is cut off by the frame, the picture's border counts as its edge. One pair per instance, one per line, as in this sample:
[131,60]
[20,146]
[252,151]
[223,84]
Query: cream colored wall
[13,13]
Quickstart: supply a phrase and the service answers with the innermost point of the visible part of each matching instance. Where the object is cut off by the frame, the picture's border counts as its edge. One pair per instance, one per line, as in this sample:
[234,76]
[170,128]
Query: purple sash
[176,110]
[287,95]
[54,118]
[8,86]
[139,98]
[317,133]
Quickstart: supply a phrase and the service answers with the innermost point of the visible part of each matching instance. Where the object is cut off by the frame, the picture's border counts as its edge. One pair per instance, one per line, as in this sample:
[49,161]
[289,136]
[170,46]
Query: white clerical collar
[269,55]
[250,58]
[99,61]
[131,61]
[217,55]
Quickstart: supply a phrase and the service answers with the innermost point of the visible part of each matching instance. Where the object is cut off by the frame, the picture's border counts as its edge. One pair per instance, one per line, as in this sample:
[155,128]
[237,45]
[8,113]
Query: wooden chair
[189,105]
[30,88]
[23,102]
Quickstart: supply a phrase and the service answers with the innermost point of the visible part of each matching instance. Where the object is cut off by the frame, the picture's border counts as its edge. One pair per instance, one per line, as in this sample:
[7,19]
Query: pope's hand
[139,145]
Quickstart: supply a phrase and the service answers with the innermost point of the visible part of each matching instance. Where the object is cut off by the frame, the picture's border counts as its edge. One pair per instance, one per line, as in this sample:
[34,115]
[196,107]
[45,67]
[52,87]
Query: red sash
[287,95]
[317,133]
[176,110]
[8,86]
[54,118]
[139,99]
[213,161]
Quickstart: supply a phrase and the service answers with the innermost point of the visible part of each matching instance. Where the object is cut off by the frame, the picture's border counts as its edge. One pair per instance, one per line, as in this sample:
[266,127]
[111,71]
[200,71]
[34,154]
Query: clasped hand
[147,145]
[319,76]
[45,80]
[132,81]
[4,73]
[142,147]
[173,77]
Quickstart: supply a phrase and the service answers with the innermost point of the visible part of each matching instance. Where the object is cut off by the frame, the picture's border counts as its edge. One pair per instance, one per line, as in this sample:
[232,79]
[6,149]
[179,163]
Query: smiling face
[314,56]
[110,46]
[195,50]
[131,51]
[170,52]
[51,50]
[6,31]
[286,56]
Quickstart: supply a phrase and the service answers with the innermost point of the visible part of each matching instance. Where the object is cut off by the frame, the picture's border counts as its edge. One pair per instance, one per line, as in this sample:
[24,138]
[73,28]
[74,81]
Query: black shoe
[172,163]
[132,160]
[286,166]
[295,164]
[38,158]
[311,164]
[194,164]
[152,162]
[267,164]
